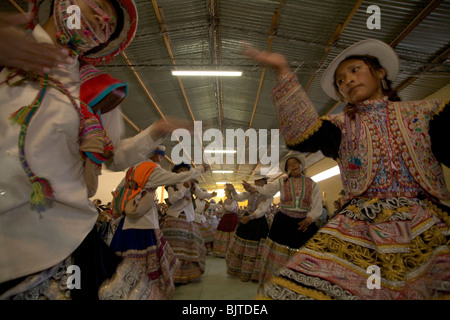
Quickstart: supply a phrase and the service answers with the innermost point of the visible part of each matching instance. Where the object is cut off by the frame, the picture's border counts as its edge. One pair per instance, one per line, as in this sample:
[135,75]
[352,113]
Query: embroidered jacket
[299,197]
[388,145]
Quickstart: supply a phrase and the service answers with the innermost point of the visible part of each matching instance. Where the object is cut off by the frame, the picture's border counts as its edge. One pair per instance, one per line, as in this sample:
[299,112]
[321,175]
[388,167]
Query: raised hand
[21,50]
[274,60]
[166,126]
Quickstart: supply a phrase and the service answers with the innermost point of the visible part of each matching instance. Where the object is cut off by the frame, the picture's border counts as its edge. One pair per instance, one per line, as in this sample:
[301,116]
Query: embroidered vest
[296,193]
[408,126]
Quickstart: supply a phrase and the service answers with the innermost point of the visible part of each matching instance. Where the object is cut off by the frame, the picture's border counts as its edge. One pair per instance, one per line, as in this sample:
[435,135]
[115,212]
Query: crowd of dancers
[189,225]
[61,122]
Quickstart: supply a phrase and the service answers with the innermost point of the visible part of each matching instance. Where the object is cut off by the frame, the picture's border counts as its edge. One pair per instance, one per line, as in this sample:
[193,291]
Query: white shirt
[28,242]
[262,208]
[158,177]
[229,206]
[200,205]
[179,203]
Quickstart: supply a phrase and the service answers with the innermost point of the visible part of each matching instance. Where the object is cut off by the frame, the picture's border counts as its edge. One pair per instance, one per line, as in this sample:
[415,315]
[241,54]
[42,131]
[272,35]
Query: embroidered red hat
[99,90]
[119,40]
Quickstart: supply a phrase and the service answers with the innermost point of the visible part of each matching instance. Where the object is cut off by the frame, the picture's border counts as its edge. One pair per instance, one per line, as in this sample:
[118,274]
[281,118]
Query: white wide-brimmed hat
[376,48]
[257,177]
[296,155]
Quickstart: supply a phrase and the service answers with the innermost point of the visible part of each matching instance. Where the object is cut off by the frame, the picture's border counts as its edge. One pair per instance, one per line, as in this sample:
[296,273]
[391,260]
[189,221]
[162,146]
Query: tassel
[20,115]
[42,194]
[25,113]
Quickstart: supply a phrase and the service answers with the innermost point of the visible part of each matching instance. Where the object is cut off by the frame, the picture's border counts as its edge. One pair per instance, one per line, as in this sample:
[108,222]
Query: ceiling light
[326,174]
[219,151]
[207,73]
[221,182]
[222,171]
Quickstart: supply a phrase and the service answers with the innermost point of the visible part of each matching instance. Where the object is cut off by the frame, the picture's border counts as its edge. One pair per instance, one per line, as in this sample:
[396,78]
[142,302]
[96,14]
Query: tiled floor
[216,284]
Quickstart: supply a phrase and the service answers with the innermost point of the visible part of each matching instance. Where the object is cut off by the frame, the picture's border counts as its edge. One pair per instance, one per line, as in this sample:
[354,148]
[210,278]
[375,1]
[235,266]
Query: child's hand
[274,60]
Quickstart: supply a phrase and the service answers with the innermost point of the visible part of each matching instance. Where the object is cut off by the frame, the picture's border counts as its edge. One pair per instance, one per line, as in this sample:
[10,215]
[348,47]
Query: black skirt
[97,262]
[284,231]
[255,229]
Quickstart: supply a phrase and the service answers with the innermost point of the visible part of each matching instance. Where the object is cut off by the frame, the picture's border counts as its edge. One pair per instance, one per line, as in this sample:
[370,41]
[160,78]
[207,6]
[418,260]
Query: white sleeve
[201,194]
[214,206]
[316,204]
[240,196]
[262,209]
[174,196]
[269,190]
[161,177]
[130,151]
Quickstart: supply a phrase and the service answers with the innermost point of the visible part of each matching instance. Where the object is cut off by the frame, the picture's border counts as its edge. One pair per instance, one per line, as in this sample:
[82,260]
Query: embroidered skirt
[244,255]
[187,242]
[207,232]
[396,248]
[282,242]
[224,233]
[148,266]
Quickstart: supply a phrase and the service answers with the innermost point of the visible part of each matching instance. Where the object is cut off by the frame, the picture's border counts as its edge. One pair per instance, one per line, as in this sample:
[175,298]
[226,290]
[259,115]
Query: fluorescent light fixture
[219,151]
[326,174]
[221,182]
[222,171]
[277,194]
[206,73]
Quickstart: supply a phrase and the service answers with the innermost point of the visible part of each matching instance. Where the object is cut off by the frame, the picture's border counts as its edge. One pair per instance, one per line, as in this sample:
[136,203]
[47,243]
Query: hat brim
[258,177]
[114,47]
[385,54]
[294,155]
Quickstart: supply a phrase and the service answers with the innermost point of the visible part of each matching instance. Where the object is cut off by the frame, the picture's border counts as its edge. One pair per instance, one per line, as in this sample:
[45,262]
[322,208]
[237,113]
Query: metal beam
[272,35]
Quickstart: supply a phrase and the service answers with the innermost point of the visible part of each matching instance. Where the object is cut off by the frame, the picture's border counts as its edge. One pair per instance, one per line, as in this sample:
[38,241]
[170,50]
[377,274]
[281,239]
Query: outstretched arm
[300,124]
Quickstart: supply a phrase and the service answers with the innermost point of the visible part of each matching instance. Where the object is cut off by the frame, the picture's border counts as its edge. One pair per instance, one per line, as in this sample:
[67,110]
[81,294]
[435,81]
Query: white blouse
[179,203]
[30,242]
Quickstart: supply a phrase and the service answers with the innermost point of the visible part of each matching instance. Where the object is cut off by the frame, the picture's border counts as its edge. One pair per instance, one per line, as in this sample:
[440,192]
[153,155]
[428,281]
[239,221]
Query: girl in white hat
[389,154]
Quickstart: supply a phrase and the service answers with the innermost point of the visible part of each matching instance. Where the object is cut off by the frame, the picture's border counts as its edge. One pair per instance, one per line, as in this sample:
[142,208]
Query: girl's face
[294,167]
[356,82]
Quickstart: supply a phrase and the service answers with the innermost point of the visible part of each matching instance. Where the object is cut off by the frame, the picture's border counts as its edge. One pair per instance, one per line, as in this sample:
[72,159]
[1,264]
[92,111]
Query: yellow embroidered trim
[386,214]
[439,212]
[306,135]
[394,266]
[441,108]
[315,294]
[442,297]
